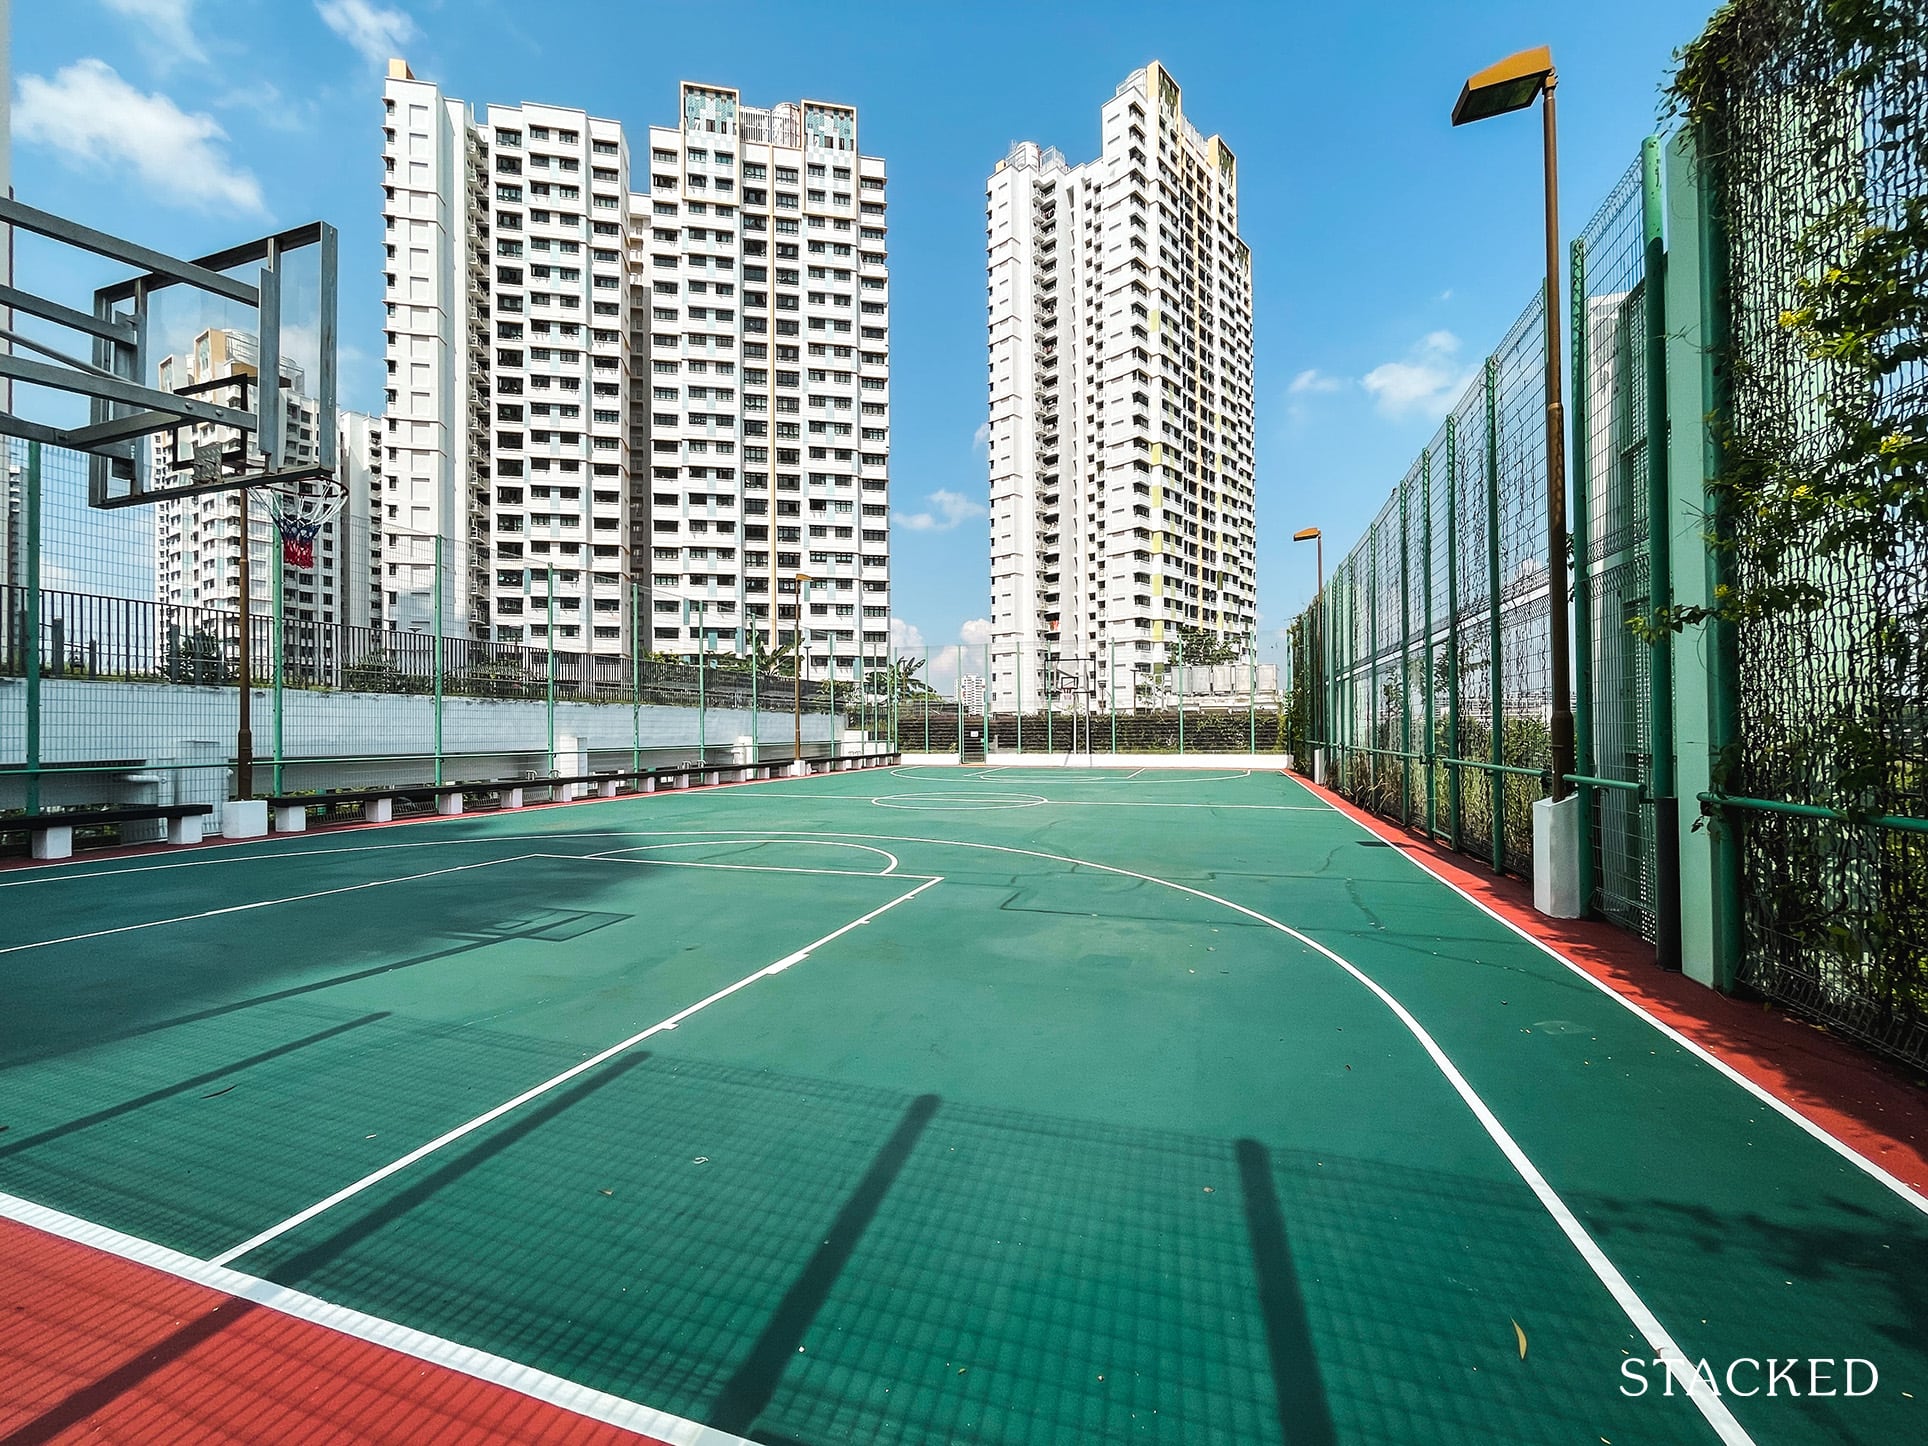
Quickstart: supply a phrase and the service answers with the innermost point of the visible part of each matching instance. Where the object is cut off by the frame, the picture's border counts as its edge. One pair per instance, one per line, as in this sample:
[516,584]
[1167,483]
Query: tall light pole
[1317,538]
[1514,84]
[796,660]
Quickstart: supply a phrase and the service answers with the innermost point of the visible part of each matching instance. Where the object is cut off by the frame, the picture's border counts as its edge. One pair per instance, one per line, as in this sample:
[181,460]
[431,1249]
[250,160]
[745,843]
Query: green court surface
[1054,1121]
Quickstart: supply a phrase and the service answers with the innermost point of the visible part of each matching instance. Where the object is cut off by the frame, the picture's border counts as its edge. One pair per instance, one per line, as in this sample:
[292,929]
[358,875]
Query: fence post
[1252,688]
[1496,682]
[550,669]
[1453,784]
[1181,697]
[440,647]
[1372,671]
[1660,596]
[1017,664]
[987,709]
[1051,745]
[1405,650]
[636,681]
[1724,656]
[1111,688]
[1431,744]
[702,700]
[830,651]
[277,657]
[1579,479]
[33,627]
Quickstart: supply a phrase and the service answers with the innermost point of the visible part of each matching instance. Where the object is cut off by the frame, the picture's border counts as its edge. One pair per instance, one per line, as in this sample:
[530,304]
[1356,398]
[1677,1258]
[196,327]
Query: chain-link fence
[1420,718]
[123,651]
[973,700]
[1812,126]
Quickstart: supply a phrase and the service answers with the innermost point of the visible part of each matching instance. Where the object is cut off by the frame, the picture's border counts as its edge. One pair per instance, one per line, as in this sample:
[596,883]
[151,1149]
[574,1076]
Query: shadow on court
[813,1262]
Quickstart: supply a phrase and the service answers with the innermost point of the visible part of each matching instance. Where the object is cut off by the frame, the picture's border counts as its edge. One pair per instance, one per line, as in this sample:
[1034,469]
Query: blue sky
[1389,251]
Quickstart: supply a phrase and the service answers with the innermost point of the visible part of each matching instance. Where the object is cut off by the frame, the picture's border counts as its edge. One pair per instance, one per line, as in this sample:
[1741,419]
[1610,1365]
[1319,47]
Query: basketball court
[919,1105]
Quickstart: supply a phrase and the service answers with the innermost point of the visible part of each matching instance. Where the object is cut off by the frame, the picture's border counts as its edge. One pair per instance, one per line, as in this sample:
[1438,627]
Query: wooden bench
[53,833]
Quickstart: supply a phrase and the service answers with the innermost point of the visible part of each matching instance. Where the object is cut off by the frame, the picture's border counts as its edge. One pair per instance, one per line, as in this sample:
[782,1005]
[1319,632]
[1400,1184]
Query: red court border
[94,1347]
[1873,1109]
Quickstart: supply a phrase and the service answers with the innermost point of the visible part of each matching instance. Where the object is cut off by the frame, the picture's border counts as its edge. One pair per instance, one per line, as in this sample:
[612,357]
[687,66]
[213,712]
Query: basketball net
[300,510]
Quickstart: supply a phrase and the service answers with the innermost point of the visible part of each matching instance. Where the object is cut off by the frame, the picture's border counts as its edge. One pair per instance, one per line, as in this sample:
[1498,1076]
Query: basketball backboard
[198,376]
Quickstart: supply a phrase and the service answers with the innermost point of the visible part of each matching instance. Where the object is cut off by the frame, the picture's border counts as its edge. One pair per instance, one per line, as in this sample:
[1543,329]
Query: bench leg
[188,830]
[649,784]
[53,843]
[606,788]
[682,780]
[292,819]
[511,798]
[379,810]
[448,804]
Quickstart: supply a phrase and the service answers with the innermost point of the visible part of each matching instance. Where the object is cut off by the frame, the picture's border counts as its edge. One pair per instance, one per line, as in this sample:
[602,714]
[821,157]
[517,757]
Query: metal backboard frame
[126,412]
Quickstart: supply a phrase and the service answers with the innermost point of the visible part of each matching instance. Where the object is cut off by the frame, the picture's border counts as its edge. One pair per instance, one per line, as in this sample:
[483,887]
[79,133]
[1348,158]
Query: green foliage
[1851,482]
[1203,648]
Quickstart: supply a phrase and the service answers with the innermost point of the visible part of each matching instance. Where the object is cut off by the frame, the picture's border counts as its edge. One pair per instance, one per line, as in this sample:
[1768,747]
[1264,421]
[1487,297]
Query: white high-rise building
[533,297]
[508,353]
[768,330]
[1121,424]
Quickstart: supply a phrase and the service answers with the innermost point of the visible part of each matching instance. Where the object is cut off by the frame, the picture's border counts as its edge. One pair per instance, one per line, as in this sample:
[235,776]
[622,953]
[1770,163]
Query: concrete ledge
[1557,846]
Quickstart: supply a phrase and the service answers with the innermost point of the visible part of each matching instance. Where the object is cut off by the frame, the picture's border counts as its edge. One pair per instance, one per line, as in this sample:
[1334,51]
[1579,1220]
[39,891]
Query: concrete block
[288,818]
[188,830]
[606,788]
[649,784]
[244,818]
[511,798]
[379,810]
[448,804]
[54,843]
[1557,843]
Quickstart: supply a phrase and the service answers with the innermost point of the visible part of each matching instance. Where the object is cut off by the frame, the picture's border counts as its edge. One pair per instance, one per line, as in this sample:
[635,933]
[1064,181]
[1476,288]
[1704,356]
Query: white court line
[258,904]
[375,1177]
[1661,1343]
[1766,1096]
[479,1365]
[768,868]
[621,856]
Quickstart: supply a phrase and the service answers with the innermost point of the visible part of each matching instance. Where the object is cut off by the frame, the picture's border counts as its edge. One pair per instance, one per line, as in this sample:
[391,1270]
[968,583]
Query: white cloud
[375,32]
[906,637]
[947,510]
[981,440]
[975,631]
[92,116]
[1425,382]
[169,22]
[1314,380]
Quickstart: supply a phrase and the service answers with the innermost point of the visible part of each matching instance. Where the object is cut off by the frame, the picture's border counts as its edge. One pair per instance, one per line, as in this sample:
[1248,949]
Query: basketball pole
[244,730]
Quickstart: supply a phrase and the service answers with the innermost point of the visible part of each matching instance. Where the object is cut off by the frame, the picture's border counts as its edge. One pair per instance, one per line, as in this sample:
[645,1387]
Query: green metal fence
[972,700]
[1811,125]
[1421,717]
[108,695]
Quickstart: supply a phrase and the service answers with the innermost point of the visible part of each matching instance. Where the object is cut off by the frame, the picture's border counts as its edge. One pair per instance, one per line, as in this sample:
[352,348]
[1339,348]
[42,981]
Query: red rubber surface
[100,1349]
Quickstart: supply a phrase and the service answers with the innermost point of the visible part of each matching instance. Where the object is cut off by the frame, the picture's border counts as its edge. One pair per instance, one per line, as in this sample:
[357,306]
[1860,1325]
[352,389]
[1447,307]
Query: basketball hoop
[300,510]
